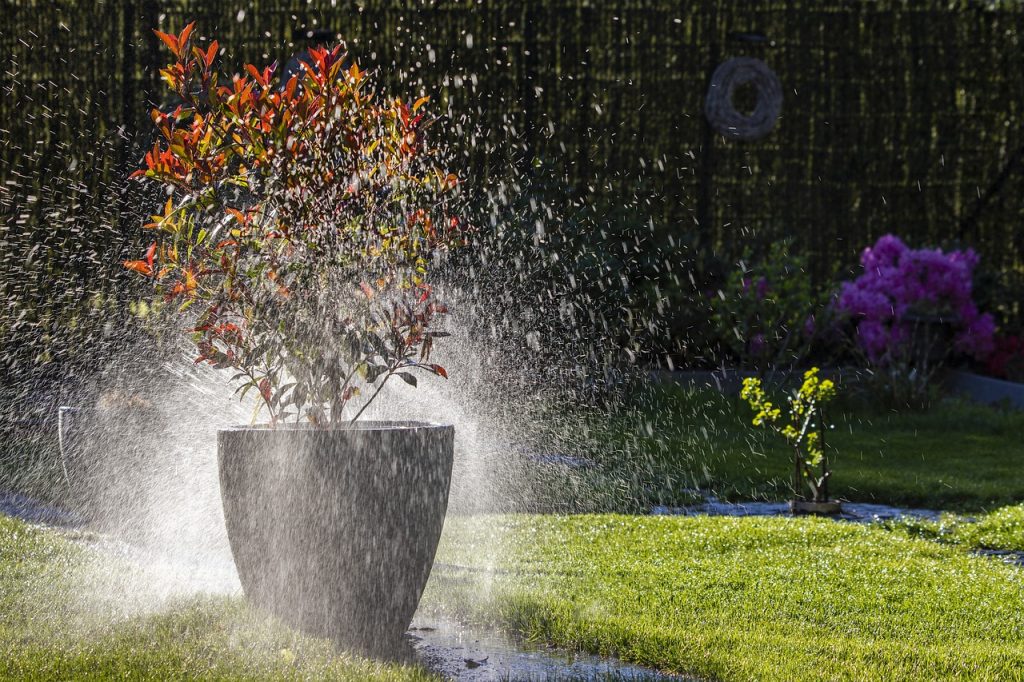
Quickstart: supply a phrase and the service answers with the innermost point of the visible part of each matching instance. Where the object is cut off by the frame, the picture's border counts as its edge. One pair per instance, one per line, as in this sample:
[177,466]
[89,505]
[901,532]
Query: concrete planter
[335,530]
[984,389]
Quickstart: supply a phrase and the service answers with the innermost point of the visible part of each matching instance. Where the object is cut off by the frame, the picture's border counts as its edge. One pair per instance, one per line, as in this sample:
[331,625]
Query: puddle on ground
[459,652]
[28,509]
[1013,557]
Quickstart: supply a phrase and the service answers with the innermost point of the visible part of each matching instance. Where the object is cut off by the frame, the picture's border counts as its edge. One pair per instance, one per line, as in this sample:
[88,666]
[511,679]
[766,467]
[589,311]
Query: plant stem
[270,408]
[336,419]
[383,381]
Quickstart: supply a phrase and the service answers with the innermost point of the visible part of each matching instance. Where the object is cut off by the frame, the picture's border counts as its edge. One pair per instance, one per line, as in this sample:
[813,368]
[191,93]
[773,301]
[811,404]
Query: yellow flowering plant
[803,429]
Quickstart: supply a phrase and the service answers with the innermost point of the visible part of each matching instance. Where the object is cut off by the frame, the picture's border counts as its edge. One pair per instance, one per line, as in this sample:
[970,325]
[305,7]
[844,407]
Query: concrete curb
[983,389]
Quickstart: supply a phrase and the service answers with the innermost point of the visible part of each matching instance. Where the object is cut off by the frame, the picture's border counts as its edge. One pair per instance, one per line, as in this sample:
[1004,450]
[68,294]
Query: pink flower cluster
[898,280]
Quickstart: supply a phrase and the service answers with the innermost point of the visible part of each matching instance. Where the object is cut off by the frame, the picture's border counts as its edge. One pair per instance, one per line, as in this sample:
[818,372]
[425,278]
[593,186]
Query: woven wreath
[719,108]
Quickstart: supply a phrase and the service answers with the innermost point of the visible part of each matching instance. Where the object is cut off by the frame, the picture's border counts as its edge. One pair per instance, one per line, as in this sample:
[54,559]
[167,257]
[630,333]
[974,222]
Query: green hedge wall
[899,117]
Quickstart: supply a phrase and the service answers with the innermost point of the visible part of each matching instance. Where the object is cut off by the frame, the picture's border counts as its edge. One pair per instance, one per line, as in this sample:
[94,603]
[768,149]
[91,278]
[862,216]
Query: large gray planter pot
[335,530]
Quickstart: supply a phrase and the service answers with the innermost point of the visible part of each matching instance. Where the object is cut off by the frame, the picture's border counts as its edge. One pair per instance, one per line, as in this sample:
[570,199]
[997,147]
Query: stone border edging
[982,389]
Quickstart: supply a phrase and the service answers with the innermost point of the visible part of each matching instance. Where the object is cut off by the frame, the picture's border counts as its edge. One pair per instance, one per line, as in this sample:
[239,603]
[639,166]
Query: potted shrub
[803,431]
[301,224]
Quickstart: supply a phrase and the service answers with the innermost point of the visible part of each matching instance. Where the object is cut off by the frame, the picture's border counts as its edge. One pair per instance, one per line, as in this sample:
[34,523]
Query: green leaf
[373,372]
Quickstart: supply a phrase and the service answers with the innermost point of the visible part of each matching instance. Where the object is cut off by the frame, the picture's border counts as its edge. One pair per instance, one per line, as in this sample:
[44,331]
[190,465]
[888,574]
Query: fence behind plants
[901,117]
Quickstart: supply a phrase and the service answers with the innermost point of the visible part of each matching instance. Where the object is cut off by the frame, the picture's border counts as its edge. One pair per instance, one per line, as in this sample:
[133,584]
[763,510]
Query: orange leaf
[169,40]
[289,91]
[185,33]
[420,102]
[139,266]
[439,370]
[211,53]
[255,73]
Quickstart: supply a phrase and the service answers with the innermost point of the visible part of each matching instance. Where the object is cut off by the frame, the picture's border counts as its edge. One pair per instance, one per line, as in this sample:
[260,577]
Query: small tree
[803,430]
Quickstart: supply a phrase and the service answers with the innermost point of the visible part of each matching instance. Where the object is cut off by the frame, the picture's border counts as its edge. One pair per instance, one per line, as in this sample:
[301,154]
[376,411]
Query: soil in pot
[335,530]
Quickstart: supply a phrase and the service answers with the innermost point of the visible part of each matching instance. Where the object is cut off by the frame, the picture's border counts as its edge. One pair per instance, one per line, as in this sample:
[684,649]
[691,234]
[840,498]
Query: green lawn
[955,456]
[718,598]
[743,599]
[1002,529]
[70,612]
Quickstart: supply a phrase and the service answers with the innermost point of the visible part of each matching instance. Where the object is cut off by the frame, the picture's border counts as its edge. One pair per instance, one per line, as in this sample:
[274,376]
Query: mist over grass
[74,610]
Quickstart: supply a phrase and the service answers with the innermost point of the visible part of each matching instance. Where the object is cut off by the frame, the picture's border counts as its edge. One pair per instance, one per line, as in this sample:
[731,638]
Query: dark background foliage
[898,117]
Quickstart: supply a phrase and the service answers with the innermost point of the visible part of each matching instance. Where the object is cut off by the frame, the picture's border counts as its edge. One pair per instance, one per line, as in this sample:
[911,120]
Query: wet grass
[955,456]
[69,612]
[743,599]
[1002,529]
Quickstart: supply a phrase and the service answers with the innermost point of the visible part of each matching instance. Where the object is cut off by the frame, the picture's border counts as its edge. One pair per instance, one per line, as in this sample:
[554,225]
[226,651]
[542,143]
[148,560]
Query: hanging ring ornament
[722,114]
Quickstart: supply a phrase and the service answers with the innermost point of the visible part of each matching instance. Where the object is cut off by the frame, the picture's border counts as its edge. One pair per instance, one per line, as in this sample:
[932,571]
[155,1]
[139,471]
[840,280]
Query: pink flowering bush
[900,285]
